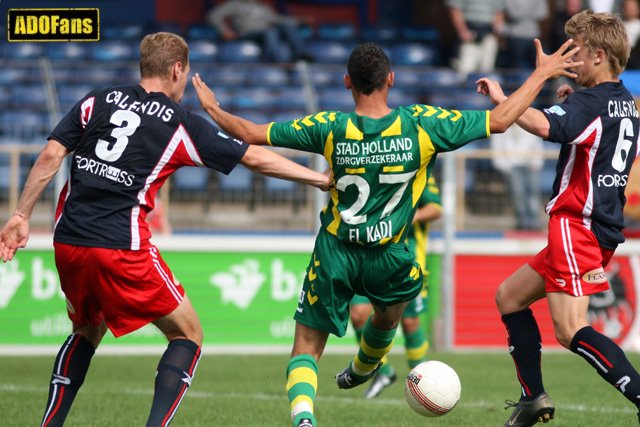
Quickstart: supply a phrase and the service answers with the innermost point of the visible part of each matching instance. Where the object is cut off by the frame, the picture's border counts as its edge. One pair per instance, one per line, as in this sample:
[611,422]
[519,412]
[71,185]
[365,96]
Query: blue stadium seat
[269,76]
[292,98]
[70,51]
[241,51]
[406,78]
[29,96]
[335,99]
[239,179]
[420,34]
[201,32]
[70,94]
[203,51]
[255,98]
[379,34]
[399,97]
[327,77]
[132,32]
[413,54]
[327,52]
[11,76]
[115,50]
[337,31]
[24,50]
[191,178]
[231,76]
[285,116]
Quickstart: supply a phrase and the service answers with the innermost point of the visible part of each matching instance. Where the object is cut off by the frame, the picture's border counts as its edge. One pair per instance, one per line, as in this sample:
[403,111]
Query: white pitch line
[194,394]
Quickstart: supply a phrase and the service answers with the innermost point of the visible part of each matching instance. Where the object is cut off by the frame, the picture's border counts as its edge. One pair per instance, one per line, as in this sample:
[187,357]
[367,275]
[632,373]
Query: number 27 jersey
[380,166]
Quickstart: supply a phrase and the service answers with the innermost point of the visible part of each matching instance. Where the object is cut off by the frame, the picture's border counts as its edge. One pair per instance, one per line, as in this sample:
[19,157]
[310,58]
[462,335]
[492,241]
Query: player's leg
[377,339]
[177,366]
[302,373]
[569,315]
[69,371]
[514,296]
[415,336]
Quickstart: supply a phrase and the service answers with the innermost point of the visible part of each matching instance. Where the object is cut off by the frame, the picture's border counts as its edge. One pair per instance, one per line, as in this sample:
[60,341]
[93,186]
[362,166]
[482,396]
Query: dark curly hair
[368,66]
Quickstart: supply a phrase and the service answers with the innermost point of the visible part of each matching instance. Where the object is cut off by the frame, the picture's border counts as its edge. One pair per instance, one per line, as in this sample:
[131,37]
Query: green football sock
[302,383]
[375,344]
[416,346]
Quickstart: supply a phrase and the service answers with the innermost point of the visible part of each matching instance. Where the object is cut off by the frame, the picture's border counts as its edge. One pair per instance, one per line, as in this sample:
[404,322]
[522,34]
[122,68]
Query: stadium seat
[335,99]
[203,51]
[255,98]
[239,179]
[413,54]
[115,50]
[285,116]
[29,96]
[327,52]
[420,34]
[399,97]
[269,76]
[70,94]
[228,76]
[292,98]
[11,76]
[201,32]
[337,31]
[191,178]
[323,77]
[24,50]
[379,34]
[131,32]
[240,52]
[70,51]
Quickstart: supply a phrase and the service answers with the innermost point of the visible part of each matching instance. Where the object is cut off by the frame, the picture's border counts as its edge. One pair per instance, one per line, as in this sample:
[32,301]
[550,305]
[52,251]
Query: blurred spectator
[631,19]
[478,23]
[522,25]
[600,6]
[255,20]
[519,155]
[566,9]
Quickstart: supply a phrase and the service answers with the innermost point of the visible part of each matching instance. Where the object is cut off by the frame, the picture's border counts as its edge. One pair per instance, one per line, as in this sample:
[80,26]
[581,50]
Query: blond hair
[601,31]
[159,52]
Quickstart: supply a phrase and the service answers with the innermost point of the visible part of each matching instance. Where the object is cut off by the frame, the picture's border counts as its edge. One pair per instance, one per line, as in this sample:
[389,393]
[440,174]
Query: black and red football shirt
[126,142]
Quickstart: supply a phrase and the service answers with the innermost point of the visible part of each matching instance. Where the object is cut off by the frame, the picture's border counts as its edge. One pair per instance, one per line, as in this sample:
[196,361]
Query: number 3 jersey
[598,130]
[380,166]
[125,143]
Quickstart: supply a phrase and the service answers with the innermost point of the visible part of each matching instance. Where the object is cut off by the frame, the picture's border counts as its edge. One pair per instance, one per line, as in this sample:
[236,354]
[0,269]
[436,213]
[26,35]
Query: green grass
[231,391]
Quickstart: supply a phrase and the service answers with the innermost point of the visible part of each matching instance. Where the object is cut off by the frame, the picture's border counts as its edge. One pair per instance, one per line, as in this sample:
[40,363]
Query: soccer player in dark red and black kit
[126,141]
[597,128]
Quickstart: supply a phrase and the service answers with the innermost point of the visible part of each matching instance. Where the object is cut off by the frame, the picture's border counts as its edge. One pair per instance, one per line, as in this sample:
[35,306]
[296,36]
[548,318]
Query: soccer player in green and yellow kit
[416,340]
[381,159]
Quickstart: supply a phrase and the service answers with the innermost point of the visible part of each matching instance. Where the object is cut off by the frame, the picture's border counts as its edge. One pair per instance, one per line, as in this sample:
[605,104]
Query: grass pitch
[230,391]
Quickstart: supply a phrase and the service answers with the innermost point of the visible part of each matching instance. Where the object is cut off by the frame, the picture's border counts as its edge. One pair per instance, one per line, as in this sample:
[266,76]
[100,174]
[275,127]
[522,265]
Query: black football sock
[69,371]
[525,345]
[173,378]
[609,361]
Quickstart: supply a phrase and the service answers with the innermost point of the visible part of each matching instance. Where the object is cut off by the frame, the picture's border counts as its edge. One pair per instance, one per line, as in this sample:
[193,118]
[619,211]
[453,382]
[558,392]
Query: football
[432,388]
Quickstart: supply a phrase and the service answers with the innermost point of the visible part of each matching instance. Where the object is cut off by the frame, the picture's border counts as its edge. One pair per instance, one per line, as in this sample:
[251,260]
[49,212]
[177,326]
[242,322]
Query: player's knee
[564,335]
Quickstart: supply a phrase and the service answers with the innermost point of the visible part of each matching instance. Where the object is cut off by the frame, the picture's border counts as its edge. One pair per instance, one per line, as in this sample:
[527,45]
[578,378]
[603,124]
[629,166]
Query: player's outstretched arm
[242,129]
[270,163]
[509,109]
[15,233]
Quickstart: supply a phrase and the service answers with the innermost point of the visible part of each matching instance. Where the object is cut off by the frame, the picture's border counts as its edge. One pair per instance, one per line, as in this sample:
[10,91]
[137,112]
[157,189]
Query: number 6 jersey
[125,143]
[598,130]
[380,166]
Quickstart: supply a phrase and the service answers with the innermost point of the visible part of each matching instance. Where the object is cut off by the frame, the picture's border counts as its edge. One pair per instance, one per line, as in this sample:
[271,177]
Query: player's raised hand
[13,236]
[563,91]
[490,88]
[558,63]
[205,95]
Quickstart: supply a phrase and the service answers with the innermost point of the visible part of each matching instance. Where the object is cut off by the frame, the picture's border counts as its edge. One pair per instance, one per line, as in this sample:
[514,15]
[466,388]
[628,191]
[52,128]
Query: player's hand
[564,91]
[13,236]
[558,63]
[490,88]
[205,95]
[327,185]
